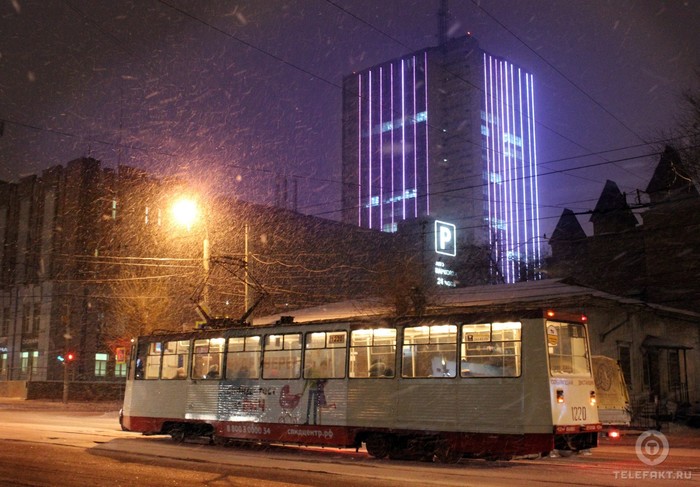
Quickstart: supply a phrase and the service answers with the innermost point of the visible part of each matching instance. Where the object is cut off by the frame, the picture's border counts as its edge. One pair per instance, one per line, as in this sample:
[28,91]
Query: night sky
[235,94]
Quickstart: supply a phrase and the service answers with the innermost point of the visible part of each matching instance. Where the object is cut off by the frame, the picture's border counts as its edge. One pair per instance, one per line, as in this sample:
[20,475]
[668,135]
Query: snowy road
[94,448]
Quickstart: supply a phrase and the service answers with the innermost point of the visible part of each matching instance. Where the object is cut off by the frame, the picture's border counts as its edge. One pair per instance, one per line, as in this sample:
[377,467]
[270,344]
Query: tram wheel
[219,440]
[177,435]
[378,446]
[445,452]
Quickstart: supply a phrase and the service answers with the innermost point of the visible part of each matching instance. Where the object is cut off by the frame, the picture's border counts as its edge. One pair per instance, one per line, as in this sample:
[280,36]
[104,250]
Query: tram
[439,387]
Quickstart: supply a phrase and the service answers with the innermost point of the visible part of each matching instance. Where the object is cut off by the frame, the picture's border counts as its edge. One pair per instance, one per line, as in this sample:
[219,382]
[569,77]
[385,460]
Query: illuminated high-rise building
[446,132]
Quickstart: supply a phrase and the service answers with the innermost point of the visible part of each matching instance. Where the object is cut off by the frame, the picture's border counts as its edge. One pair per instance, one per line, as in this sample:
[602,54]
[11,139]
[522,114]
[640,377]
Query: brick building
[652,256]
[91,254]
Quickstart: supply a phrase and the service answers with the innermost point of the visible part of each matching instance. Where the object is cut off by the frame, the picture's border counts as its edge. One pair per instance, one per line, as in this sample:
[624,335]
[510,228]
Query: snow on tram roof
[543,293]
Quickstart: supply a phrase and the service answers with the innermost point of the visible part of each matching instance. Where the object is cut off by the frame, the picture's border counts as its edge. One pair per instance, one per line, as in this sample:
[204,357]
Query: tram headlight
[593,399]
[560,396]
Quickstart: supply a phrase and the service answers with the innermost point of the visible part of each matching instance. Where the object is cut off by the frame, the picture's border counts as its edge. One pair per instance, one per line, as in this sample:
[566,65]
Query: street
[58,445]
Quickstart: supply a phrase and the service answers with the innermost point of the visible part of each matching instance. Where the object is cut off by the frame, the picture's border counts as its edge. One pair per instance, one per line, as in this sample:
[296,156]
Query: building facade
[92,256]
[447,132]
[652,256]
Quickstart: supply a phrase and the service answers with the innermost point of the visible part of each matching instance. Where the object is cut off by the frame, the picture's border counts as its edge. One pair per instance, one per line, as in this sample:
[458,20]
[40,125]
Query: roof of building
[568,228]
[612,213]
[670,177]
[518,296]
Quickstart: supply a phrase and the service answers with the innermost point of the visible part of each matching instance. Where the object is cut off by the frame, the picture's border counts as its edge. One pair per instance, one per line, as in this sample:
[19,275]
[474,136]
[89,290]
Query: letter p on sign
[445,238]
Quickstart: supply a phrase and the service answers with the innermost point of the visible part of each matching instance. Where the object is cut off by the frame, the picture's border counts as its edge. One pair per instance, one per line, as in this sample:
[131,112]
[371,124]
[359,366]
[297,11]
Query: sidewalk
[678,435]
[47,405]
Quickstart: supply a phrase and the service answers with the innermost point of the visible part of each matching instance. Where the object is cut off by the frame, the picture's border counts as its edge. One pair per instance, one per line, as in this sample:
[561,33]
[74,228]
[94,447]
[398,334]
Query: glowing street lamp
[185,212]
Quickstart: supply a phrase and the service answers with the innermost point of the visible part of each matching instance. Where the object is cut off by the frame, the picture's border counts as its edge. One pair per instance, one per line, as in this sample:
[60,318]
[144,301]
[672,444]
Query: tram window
[152,370]
[175,359]
[141,354]
[491,350]
[373,353]
[429,351]
[243,359]
[568,349]
[208,357]
[324,355]
[282,356]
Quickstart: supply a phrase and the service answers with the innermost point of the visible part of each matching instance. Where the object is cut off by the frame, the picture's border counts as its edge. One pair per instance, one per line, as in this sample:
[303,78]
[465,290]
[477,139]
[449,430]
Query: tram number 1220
[578,413]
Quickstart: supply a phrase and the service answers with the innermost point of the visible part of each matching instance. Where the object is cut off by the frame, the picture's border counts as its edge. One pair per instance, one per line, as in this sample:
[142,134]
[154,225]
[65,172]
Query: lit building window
[101,364]
[29,362]
[390,227]
[120,370]
[3,364]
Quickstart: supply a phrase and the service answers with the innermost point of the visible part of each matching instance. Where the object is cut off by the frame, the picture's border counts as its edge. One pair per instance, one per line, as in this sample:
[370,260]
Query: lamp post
[246,294]
[186,213]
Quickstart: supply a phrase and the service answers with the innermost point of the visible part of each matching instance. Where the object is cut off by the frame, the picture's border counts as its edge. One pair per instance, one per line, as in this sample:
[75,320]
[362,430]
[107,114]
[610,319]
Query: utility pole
[66,351]
[246,297]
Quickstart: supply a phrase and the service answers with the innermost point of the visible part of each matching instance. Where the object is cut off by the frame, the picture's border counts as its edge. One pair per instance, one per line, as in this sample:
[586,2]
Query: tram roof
[519,296]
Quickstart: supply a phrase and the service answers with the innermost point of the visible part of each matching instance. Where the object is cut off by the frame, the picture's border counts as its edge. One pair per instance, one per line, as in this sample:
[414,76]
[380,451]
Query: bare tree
[689,133]
[684,136]
[142,302]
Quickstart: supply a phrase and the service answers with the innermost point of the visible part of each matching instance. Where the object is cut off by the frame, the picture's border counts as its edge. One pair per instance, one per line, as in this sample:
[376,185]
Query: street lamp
[186,213]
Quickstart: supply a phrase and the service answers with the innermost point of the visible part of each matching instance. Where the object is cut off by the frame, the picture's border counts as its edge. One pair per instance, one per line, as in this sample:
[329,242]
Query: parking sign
[445,238]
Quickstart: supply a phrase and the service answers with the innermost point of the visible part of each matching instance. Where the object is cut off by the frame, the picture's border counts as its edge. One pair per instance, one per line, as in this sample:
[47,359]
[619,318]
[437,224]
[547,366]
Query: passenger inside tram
[377,369]
[213,372]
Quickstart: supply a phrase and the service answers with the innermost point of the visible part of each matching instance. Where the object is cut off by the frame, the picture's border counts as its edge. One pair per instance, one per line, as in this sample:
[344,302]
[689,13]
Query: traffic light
[69,357]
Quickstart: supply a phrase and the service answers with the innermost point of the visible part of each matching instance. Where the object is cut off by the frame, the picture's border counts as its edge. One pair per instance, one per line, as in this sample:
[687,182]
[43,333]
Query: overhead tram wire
[310,178]
[548,63]
[479,88]
[550,173]
[292,65]
[333,84]
[562,159]
[273,56]
[576,86]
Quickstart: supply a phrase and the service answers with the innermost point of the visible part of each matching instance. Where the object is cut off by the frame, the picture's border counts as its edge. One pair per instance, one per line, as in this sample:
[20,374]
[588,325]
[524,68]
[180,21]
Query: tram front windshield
[568,349]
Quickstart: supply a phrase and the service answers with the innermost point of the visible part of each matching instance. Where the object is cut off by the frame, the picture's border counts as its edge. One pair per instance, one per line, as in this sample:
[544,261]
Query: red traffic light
[70,356]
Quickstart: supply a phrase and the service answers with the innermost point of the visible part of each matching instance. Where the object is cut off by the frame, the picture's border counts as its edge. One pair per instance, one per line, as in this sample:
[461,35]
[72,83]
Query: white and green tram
[477,384]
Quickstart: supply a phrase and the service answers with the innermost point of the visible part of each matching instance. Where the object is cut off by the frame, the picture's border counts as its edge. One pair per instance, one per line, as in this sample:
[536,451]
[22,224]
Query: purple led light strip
[403,139]
[427,170]
[415,142]
[359,151]
[381,150]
